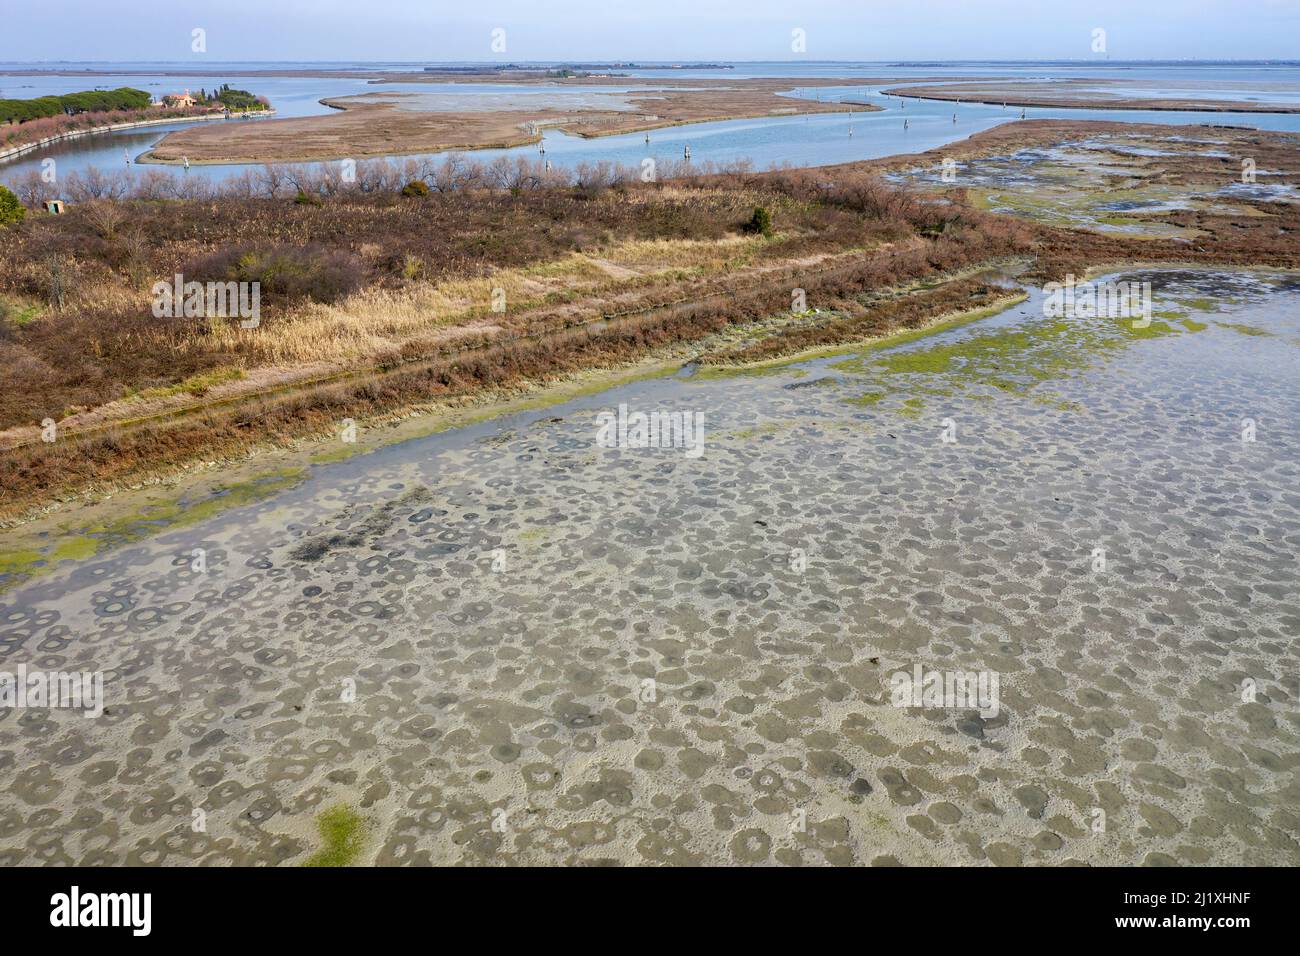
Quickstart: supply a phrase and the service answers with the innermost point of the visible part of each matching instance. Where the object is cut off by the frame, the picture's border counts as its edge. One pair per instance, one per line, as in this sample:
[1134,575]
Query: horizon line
[603,61]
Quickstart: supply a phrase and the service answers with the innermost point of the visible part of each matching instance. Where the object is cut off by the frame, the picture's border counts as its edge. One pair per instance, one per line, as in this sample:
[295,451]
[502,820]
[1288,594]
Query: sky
[676,30]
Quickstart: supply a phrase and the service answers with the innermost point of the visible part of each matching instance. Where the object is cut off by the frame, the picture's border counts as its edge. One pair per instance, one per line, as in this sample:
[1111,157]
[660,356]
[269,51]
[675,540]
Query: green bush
[761,222]
[238,99]
[11,210]
[303,199]
[416,187]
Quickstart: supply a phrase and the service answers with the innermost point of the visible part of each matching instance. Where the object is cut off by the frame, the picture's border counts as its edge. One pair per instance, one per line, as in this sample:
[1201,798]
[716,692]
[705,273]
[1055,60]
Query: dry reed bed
[420,267]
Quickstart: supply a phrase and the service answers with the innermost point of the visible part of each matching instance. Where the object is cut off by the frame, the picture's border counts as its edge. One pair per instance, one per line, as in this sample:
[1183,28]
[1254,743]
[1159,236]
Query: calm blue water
[797,140]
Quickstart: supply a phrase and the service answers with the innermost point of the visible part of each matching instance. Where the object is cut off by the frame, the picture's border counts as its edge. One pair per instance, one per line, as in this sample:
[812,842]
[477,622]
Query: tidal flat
[508,644]
[1119,179]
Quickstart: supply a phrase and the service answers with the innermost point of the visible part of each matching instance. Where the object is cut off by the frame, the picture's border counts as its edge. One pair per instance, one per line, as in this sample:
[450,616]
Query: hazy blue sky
[648,29]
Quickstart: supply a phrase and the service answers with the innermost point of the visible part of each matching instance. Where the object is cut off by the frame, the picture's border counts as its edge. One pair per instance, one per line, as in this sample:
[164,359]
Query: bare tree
[105,215]
[379,175]
[271,180]
[154,184]
[31,189]
[457,173]
[92,183]
[241,185]
[192,187]
[303,178]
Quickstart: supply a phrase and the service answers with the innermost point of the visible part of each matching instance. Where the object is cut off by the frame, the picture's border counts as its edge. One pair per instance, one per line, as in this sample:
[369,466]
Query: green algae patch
[756,432]
[1244,329]
[708,373]
[342,830]
[332,455]
[80,544]
[1007,361]
[182,512]
[74,548]
[1004,359]
[1202,304]
[867,399]
[913,406]
[857,348]
[1151,330]
[19,562]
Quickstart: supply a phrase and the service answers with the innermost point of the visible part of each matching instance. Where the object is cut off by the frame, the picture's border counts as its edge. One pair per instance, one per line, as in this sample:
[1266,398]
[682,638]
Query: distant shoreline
[1068,94]
[178,67]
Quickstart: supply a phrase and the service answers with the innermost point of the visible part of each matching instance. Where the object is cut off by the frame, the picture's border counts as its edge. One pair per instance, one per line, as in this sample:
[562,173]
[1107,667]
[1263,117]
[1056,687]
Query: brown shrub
[286,273]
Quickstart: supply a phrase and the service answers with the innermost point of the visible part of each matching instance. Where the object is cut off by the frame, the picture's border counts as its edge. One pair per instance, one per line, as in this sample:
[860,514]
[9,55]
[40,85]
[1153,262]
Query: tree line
[70,104]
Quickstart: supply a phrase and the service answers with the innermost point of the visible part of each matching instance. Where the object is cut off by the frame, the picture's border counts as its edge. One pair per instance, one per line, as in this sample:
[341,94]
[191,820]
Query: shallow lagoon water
[563,653]
[801,141]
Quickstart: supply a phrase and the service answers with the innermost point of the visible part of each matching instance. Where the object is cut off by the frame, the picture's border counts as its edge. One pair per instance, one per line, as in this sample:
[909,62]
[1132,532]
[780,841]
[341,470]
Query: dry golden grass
[380,321]
[379,325]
